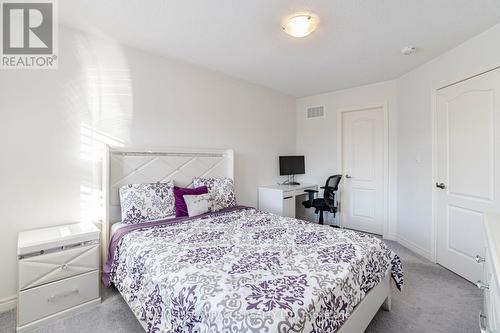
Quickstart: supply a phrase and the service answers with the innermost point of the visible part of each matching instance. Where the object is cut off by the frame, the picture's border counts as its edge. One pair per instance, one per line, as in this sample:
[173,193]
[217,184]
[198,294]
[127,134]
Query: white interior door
[467,184]
[362,203]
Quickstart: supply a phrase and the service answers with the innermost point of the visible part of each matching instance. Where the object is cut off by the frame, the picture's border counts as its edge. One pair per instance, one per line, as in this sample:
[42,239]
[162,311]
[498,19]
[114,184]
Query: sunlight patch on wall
[90,204]
[92,147]
[101,94]
[110,100]
[92,142]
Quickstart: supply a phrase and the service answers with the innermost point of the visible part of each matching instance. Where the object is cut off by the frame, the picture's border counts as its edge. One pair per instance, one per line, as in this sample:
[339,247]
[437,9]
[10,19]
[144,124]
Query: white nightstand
[58,273]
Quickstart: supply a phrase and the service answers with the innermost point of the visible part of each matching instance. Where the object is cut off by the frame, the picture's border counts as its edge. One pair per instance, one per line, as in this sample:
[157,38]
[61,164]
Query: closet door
[468,170]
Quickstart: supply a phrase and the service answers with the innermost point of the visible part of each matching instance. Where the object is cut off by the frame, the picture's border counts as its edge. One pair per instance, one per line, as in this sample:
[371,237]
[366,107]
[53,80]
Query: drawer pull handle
[287,198]
[482,285]
[56,297]
[479,259]
[482,325]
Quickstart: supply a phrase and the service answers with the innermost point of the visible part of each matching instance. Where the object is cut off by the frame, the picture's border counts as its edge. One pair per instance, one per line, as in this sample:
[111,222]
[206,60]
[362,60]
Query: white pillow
[197,204]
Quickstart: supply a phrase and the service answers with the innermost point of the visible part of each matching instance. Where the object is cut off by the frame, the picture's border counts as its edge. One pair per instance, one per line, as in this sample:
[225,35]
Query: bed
[241,269]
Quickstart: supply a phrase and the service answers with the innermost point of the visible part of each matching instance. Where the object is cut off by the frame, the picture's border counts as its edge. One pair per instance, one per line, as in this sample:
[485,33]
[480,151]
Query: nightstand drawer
[39,270]
[40,302]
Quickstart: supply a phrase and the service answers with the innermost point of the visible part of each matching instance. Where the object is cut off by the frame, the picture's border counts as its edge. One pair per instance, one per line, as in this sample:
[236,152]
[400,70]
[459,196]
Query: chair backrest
[331,186]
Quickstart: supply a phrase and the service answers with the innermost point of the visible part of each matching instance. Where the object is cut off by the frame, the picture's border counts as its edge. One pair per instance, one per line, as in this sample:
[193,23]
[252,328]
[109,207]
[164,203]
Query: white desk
[285,200]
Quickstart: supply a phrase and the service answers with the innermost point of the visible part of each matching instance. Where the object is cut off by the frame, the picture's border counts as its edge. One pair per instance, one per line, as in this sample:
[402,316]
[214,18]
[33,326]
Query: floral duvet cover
[243,270]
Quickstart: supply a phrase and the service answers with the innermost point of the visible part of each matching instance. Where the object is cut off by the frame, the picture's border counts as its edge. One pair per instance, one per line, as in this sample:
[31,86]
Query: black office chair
[327,203]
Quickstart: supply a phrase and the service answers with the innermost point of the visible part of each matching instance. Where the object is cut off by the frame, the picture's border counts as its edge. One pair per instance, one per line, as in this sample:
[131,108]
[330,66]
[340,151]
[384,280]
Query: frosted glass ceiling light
[300,25]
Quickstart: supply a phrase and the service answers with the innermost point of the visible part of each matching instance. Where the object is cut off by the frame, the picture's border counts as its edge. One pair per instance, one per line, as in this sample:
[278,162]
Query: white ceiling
[358,41]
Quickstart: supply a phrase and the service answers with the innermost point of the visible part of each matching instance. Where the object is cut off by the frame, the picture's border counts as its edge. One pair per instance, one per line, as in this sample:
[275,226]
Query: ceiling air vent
[315,112]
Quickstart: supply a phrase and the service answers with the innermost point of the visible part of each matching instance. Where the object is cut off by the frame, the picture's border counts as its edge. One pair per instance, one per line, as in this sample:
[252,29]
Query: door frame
[385,159]
[434,109]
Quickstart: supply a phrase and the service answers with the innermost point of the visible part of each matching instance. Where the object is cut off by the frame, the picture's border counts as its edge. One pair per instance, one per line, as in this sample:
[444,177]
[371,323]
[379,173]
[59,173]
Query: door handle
[56,297]
[347,176]
[481,285]
[441,185]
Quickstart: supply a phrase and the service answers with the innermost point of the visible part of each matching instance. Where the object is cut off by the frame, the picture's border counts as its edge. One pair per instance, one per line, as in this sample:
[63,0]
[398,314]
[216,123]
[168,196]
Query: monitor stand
[291,181]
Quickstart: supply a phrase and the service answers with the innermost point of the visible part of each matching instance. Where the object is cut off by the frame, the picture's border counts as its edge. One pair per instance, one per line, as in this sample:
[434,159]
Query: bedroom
[224,83]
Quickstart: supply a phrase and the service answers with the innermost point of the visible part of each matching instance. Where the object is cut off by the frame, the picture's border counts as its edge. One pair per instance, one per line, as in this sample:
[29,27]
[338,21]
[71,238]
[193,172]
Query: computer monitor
[292,165]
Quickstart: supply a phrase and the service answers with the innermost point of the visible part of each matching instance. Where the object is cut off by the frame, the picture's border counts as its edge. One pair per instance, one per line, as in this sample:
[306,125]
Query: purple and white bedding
[243,270]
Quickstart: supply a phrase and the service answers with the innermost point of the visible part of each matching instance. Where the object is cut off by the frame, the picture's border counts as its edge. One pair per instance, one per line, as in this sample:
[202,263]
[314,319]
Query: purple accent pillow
[180,204]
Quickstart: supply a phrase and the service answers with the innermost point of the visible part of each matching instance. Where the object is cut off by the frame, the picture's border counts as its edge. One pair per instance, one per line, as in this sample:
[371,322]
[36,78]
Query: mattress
[116,226]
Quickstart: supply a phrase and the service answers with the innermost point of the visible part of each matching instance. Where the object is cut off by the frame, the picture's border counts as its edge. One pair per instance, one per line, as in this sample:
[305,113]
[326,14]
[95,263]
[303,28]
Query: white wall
[410,99]
[317,138]
[103,91]
[415,181]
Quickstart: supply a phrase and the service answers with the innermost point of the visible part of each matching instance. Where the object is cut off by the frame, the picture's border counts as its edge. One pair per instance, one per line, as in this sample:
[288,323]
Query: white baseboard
[8,303]
[415,248]
[392,237]
[409,245]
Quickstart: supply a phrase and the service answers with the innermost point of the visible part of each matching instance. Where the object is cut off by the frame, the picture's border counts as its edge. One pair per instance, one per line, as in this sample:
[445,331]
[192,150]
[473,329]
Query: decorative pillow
[197,204]
[220,189]
[147,202]
[180,204]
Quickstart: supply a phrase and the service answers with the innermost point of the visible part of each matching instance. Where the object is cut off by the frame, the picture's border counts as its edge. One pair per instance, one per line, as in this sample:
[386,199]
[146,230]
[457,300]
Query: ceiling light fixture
[300,24]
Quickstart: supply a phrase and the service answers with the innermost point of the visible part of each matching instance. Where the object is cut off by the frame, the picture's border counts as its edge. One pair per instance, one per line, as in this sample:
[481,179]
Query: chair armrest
[311,196]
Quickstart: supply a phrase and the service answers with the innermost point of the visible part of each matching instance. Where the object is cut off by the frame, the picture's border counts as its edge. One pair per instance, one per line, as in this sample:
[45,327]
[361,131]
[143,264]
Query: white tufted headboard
[123,166]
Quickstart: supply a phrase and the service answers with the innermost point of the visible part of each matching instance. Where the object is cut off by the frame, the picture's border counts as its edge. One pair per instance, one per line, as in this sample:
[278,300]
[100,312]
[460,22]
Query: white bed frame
[123,166]
[363,313]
